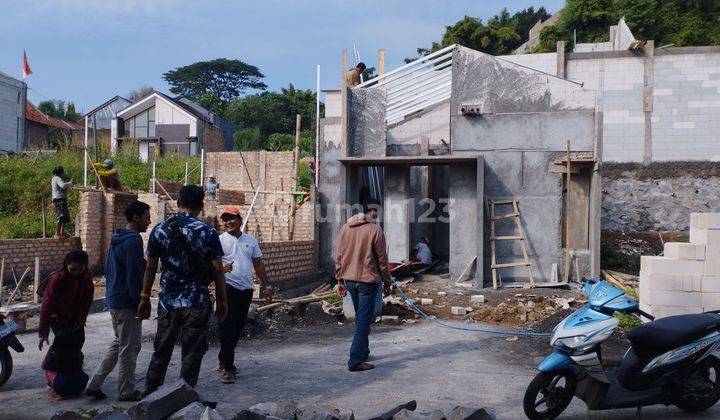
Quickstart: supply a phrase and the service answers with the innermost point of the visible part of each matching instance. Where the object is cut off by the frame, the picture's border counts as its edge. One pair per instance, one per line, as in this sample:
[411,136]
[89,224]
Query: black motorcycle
[7,339]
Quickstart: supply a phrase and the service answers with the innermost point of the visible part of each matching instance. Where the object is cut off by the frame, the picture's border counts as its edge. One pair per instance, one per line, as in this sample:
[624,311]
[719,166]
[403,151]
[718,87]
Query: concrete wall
[433,124]
[21,253]
[366,128]
[528,116]
[331,191]
[13,94]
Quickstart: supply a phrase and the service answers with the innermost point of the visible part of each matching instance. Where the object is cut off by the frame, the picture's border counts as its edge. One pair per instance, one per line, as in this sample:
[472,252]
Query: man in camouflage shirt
[190,253]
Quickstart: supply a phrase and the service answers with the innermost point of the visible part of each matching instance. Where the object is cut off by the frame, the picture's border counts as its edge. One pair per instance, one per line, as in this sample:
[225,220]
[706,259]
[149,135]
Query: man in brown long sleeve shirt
[361,263]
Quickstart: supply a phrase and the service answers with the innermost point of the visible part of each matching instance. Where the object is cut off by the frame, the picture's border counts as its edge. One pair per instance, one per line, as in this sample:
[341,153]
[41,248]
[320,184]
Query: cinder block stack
[687,278]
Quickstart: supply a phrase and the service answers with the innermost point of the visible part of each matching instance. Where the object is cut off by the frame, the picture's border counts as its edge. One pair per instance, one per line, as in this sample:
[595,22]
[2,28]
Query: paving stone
[461,412]
[165,401]
[191,411]
[322,412]
[111,415]
[279,409]
[458,310]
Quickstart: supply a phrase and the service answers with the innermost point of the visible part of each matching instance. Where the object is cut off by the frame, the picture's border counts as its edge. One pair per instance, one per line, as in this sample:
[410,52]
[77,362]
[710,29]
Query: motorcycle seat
[665,334]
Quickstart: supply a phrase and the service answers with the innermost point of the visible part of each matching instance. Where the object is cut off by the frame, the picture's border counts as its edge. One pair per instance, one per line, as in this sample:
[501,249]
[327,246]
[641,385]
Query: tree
[247,139]
[677,22]
[278,142]
[502,33]
[274,112]
[56,108]
[139,93]
[223,78]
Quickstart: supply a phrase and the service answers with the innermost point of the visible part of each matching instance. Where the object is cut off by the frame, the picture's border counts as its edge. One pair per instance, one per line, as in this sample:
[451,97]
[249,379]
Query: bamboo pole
[2,277]
[296,164]
[249,212]
[36,282]
[272,215]
[17,287]
[153,177]
[44,220]
[566,271]
[317,128]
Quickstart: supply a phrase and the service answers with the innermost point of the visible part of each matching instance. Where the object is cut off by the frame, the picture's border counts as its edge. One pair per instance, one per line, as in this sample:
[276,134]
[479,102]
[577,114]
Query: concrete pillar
[466,218]
[560,54]
[396,212]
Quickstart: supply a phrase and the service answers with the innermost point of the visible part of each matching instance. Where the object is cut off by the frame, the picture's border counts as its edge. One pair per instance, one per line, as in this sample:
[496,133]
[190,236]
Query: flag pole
[85,165]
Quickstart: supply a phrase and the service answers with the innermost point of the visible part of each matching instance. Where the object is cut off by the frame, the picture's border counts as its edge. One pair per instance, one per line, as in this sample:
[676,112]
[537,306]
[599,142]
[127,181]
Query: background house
[13,95]
[162,124]
[104,115]
[42,130]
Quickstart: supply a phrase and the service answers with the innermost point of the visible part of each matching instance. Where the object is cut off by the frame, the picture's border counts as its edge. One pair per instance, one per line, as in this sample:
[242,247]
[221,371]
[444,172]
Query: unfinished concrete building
[448,143]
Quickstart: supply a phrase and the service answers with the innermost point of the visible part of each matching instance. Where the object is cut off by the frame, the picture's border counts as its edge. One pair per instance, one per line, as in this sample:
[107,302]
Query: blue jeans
[363,296]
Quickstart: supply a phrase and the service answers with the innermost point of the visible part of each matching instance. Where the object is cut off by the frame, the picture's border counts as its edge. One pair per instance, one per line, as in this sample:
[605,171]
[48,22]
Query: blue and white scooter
[671,361]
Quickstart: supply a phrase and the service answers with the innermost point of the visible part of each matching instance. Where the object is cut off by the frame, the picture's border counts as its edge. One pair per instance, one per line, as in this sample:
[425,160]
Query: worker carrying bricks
[59,197]
[191,257]
[353,75]
[108,174]
[241,253]
[360,264]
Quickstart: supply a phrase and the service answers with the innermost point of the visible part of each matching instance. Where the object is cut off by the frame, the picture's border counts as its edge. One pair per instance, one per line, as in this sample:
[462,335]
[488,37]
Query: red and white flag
[26,67]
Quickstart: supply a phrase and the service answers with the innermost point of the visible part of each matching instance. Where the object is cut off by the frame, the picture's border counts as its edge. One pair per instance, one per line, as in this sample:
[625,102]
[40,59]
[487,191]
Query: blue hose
[422,313]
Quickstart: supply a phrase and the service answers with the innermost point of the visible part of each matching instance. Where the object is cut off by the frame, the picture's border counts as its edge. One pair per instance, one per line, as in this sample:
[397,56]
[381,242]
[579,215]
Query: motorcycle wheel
[551,390]
[6,365]
[708,370]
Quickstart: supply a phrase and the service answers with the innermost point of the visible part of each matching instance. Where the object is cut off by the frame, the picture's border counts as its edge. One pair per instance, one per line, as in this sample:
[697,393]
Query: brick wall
[213,139]
[272,170]
[261,221]
[100,214]
[284,260]
[230,197]
[21,253]
[172,187]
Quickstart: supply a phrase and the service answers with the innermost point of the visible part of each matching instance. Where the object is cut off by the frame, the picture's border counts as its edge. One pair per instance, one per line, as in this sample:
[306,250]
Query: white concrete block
[705,236]
[711,284]
[674,283]
[674,298]
[705,220]
[710,301]
[426,301]
[662,311]
[477,299]
[442,294]
[712,265]
[458,310]
[684,251]
[663,265]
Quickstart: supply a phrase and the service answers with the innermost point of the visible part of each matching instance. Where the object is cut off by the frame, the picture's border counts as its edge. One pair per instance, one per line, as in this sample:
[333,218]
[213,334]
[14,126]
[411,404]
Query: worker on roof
[353,75]
[108,174]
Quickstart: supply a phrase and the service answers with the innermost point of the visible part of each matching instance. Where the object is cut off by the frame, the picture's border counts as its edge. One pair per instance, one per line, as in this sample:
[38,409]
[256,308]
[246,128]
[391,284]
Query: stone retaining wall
[658,197]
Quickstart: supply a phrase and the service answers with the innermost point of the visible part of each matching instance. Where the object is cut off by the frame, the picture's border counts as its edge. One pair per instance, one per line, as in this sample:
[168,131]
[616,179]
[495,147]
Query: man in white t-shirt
[423,252]
[241,253]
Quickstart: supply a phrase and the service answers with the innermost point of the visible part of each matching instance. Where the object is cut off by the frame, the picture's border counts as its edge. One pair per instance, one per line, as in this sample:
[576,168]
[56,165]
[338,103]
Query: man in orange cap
[241,253]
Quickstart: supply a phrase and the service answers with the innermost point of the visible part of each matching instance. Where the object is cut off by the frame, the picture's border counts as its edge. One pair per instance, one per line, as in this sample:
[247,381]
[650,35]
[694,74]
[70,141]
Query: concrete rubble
[165,401]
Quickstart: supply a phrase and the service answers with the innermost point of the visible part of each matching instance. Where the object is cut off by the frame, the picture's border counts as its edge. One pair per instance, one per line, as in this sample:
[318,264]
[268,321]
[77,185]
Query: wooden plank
[272,217]
[291,222]
[17,287]
[518,222]
[500,202]
[492,245]
[507,238]
[511,264]
[467,267]
[566,271]
[507,216]
[381,65]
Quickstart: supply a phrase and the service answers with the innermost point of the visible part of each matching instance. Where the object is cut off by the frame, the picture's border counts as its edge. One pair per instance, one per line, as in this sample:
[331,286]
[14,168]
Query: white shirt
[423,253]
[240,252]
[59,187]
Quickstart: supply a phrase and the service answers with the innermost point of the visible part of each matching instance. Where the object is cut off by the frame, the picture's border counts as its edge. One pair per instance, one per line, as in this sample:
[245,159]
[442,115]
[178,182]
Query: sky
[87,51]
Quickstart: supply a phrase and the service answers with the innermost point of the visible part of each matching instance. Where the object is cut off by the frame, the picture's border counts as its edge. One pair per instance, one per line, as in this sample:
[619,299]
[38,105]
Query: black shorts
[62,215]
